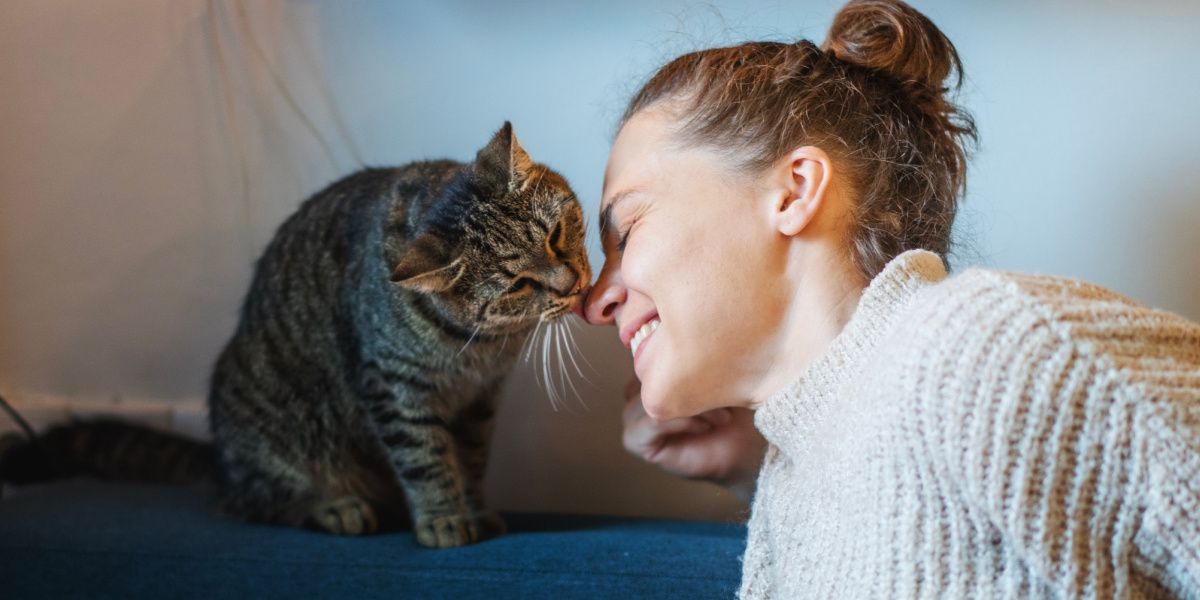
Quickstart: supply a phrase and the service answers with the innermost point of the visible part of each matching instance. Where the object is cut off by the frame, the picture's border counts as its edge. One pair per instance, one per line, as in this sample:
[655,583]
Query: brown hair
[873,95]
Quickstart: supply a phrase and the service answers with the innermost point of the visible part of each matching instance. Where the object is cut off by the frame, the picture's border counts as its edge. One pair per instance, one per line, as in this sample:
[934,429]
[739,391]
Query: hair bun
[891,36]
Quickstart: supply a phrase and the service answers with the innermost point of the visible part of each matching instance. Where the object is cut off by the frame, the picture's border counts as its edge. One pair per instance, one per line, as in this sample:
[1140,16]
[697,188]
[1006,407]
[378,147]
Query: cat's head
[503,246]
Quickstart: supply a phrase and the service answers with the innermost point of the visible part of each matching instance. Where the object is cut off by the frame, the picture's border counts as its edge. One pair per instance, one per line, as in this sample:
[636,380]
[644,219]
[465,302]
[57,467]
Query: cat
[357,393]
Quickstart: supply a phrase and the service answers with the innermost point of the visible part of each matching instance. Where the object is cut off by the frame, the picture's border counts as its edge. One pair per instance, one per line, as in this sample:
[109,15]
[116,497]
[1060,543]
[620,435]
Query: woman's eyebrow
[607,223]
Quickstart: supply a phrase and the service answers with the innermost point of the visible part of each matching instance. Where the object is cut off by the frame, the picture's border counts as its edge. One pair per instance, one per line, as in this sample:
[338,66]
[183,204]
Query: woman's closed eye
[623,237]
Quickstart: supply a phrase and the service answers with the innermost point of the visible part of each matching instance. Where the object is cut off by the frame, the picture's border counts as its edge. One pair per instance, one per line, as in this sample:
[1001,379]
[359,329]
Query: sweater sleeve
[757,559]
[1063,430]
[1169,538]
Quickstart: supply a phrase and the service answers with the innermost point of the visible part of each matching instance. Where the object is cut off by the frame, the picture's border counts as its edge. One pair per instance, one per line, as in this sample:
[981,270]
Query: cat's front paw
[348,515]
[489,524]
[447,531]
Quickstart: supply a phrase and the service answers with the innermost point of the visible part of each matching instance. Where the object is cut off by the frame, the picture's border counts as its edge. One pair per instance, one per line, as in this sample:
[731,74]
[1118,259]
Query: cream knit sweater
[988,435]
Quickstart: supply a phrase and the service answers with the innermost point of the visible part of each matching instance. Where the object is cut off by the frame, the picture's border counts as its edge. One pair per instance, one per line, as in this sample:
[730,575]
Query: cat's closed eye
[555,237]
[523,284]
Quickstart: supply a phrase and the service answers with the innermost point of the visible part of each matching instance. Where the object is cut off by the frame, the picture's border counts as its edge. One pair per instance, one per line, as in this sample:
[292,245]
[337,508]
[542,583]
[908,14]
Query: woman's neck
[826,289]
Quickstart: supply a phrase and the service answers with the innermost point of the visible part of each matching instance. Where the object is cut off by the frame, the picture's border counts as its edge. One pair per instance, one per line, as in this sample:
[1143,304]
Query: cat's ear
[503,165]
[427,266]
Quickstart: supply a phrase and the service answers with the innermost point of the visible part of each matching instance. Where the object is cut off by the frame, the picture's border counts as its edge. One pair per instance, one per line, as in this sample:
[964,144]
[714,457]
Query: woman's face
[692,270]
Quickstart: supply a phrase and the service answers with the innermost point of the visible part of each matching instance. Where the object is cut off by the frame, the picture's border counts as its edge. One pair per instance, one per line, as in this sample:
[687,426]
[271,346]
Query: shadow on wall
[1171,236]
[175,284]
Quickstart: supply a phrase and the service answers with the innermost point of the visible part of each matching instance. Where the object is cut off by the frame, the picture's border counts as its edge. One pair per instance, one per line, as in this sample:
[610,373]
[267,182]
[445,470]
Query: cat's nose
[580,287]
[581,293]
[569,282]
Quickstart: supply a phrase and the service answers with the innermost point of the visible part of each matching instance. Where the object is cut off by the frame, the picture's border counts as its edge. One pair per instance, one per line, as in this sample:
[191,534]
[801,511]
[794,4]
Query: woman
[775,218]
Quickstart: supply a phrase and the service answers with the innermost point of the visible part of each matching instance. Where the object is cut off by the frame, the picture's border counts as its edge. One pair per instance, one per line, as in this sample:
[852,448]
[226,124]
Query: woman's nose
[603,301]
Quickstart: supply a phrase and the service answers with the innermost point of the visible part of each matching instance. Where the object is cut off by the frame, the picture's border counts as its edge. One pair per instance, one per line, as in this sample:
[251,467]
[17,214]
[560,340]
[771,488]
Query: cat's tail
[106,449]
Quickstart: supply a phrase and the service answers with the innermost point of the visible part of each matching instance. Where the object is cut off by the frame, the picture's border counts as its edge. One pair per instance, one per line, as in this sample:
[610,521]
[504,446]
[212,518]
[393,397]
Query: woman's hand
[721,446]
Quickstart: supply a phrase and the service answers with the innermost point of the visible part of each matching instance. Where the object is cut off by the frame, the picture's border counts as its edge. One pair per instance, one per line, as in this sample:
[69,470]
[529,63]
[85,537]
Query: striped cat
[357,392]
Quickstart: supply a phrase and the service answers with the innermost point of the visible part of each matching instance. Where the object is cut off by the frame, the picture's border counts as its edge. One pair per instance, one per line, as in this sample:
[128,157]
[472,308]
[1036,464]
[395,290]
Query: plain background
[148,151]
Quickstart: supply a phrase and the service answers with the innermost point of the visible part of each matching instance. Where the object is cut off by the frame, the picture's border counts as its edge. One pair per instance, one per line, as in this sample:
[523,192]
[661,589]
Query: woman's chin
[663,406]
[653,402]
[659,412]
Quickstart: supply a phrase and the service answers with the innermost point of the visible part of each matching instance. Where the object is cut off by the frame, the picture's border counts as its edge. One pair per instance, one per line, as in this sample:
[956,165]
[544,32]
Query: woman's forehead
[634,156]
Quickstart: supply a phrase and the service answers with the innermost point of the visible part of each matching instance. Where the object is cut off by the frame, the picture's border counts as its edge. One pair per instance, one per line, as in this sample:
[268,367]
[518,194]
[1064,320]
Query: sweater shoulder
[997,317]
[1060,300]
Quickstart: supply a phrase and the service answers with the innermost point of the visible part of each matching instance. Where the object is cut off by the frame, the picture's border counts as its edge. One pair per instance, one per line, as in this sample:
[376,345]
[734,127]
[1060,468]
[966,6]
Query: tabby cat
[357,392]
[380,325]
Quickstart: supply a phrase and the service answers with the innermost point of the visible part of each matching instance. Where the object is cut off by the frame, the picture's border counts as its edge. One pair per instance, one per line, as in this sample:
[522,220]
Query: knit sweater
[987,435]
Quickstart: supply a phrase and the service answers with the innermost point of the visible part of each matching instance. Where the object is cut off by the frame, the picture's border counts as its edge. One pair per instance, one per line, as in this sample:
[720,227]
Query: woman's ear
[805,174]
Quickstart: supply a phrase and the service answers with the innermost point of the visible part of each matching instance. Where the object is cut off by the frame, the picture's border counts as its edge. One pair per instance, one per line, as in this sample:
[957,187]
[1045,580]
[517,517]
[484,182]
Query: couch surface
[85,539]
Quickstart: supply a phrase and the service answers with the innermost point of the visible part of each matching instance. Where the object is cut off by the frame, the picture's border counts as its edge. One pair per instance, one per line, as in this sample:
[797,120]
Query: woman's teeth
[642,333]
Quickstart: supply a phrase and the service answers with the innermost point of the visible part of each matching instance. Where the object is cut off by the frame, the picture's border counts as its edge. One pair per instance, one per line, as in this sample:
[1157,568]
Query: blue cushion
[94,540]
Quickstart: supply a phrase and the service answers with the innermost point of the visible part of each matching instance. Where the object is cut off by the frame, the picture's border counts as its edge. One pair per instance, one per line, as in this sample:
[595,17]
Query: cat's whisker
[509,333]
[571,333]
[525,344]
[535,353]
[551,386]
[538,337]
[557,351]
[571,348]
[469,340]
[559,387]
[550,389]
[562,339]
[531,341]
[570,352]
[547,380]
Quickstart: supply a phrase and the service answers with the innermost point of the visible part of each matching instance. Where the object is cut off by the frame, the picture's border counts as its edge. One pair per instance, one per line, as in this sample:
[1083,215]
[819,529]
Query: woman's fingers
[645,437]
[719,445]
[718,416]
[632,387]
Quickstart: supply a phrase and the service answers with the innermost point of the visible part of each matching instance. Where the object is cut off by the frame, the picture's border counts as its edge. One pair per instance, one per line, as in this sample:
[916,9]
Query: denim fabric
[85,539]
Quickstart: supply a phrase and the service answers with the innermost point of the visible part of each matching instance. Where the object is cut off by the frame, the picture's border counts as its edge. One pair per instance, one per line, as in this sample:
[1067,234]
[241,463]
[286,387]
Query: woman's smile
[634,331]
[642,334]
[640,341]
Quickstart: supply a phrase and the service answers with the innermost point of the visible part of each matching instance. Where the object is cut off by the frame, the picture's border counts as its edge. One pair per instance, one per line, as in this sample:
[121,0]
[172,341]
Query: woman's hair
[874,96]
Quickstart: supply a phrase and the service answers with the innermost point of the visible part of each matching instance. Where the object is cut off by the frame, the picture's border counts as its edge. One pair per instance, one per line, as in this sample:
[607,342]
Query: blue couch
[83,539]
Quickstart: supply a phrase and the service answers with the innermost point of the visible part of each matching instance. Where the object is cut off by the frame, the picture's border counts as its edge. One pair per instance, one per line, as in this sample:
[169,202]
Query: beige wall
[146,155]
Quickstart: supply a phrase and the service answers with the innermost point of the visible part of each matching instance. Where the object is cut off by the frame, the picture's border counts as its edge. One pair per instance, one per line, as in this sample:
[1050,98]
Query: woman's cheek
[633,266]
